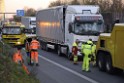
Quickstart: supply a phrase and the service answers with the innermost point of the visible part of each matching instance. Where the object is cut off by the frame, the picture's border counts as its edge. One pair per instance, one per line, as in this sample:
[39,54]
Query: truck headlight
[18,42]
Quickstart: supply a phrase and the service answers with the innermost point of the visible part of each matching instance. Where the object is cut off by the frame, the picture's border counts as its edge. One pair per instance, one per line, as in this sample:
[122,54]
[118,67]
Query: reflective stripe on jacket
[34,45]
[87,49]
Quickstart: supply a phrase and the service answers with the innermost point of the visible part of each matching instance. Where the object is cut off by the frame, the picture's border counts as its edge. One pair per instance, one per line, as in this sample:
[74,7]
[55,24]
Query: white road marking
[70,70]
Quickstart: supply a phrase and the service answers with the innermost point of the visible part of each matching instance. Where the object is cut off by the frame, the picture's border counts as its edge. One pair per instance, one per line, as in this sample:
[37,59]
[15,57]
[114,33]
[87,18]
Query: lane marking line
[69,70]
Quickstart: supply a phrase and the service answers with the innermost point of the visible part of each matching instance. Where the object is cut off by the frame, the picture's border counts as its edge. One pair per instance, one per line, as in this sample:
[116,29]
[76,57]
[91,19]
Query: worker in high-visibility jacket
[93,55]
[17,58]
[75,51]
[87,51]
[27,48]
[34,46]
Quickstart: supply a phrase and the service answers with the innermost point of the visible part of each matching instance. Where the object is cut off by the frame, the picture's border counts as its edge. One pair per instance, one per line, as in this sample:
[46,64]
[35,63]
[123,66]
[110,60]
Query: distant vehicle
[110,54]
[30,24]
[58,27]
[14,34]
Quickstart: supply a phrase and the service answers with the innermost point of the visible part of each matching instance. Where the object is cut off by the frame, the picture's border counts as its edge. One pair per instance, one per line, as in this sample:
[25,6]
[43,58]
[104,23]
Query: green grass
[11,72]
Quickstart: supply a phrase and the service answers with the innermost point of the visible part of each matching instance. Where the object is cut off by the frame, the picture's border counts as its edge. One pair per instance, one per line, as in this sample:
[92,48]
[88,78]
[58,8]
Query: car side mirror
[70,27]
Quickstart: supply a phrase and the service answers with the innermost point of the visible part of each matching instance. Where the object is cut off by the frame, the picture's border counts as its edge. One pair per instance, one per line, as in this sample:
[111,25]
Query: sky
[13,5]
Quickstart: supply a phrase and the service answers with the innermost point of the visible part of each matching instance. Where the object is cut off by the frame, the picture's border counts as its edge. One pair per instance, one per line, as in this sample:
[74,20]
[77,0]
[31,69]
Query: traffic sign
[20,12]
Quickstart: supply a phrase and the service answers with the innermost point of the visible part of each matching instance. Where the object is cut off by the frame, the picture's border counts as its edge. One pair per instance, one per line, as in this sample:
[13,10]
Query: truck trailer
[59,27]
[30,24]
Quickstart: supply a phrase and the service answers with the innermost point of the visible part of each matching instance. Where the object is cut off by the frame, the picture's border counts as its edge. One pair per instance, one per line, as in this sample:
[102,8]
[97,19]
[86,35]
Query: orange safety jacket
[35,45]
[17,57]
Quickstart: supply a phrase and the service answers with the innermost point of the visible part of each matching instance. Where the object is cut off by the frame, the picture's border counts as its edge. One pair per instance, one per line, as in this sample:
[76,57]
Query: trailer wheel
[69,55]
[59,51]
[109,67]
[101,62]
[46,47]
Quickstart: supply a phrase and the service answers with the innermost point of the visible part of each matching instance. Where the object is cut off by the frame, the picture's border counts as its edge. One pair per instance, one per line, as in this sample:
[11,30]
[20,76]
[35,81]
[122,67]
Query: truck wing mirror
[24,31]
[99,22]
[70,27]
[78,25]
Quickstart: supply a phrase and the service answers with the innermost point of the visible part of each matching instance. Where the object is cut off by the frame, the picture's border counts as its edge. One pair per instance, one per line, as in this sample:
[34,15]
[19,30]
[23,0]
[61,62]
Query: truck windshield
[91,28]
[10,30]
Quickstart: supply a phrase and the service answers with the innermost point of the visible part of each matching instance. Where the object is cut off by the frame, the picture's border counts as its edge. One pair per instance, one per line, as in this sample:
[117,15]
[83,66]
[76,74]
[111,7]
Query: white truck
[59,27]
[30,24]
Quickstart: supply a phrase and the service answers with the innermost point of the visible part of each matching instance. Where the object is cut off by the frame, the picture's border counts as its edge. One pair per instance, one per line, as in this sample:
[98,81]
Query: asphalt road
[56,69]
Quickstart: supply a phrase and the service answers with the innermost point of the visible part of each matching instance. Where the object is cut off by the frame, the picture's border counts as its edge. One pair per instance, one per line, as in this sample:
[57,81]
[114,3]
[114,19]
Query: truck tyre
[69,55]
[59,51]
[43,46]
[118,71]
[109,67]
[101,62]
[46,48]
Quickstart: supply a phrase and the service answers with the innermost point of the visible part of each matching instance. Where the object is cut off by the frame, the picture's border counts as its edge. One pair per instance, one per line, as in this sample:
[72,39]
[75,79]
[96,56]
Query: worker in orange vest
[34,46]
[17,58]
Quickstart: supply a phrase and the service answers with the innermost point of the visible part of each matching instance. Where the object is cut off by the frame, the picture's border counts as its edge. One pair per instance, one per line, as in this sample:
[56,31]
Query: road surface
[56,69]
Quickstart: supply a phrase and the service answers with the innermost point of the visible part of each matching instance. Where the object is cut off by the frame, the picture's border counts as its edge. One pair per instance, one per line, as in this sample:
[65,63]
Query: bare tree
[56,3]
[74,2]
[30,12]
[17,18]
[90,2]
[117,6]
[105,6]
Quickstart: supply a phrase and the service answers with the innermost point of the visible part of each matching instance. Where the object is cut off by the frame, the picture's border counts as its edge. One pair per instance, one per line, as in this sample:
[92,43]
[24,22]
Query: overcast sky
[13,5]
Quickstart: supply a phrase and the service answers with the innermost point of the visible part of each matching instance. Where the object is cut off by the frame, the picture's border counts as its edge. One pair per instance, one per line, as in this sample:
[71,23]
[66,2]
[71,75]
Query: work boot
[37,64]
[83,70]
[29,63]
[88,71]
[75,63]
[32,64]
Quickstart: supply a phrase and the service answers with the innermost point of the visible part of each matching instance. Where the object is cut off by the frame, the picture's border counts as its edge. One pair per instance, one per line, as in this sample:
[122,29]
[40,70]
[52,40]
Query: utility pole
[2,7]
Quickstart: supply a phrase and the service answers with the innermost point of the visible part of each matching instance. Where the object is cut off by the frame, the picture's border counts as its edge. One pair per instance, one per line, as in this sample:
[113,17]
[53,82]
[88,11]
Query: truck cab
[109,49]
[13,34]
[83,23]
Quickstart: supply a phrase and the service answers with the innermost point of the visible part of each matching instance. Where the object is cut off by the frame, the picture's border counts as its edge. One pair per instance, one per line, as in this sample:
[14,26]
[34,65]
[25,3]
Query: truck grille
[11,38]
